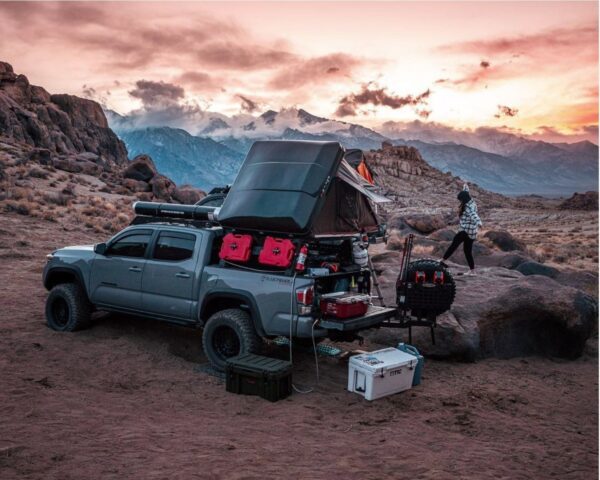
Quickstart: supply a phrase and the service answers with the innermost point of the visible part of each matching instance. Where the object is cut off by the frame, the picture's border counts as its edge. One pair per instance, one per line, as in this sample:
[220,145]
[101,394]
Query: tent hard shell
[299,188]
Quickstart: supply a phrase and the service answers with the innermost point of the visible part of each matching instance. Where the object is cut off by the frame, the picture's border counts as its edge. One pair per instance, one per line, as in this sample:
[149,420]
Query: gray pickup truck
[170,272]
[167,266]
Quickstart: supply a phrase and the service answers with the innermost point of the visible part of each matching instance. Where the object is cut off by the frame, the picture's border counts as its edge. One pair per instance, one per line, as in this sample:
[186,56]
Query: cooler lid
[385,359]
[280,185]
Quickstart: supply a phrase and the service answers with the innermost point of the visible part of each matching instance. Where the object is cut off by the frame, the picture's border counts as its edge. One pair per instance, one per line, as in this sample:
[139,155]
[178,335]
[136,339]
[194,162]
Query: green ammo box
[266,377]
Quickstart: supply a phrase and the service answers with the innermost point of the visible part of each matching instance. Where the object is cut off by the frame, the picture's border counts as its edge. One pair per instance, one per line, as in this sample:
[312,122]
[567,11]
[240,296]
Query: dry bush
[56,199]
[21,207]
[49,216]
[20,193]
[37,172]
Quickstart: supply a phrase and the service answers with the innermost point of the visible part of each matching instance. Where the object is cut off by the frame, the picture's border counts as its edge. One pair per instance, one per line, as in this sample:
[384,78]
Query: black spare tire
[227,334]
[426,299]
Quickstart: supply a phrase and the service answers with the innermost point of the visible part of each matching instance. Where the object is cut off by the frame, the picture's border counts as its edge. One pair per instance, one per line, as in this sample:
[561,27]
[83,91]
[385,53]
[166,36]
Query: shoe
[470,273]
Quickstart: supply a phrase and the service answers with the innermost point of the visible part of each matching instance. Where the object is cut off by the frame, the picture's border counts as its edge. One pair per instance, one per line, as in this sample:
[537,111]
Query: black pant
[462,237]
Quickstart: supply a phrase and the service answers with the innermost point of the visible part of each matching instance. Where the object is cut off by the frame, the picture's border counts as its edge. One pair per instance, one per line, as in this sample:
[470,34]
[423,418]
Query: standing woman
[469,223]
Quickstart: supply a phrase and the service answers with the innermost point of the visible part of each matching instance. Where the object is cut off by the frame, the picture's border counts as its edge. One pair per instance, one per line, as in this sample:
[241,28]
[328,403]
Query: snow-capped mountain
[211,152]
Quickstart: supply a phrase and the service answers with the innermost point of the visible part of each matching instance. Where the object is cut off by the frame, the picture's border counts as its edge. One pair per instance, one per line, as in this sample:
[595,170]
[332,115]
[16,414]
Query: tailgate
[374,316]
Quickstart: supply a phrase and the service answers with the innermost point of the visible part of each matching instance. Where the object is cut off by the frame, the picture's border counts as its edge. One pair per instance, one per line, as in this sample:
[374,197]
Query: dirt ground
[125,399]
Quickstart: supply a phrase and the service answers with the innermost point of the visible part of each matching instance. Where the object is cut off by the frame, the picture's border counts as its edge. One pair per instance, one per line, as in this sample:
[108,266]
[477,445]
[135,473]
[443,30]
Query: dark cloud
[241,56]
[157,94]
[423,113]
[248,105]
[504,111]
[326,68]
[350,104]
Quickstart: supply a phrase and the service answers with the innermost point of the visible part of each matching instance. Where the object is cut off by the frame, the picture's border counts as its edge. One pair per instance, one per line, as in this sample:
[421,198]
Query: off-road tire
[226,322]
[68,308]
[420,302]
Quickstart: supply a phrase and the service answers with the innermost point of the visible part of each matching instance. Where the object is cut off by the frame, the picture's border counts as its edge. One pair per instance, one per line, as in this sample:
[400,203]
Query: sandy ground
[125,400]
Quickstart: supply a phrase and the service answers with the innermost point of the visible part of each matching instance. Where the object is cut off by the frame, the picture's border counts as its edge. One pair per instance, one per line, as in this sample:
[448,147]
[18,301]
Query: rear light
[438,278]
[419,277]
[304,298]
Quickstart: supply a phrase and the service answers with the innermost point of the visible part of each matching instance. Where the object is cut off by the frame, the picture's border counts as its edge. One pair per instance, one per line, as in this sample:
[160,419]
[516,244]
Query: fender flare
[70,270]
[234,294]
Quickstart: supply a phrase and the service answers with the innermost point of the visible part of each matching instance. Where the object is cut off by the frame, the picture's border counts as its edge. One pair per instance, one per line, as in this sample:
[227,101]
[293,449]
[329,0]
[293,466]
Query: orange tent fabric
[364,171]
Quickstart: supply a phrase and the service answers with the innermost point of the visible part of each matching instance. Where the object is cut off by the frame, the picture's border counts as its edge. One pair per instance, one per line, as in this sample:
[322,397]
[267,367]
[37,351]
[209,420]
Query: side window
[133,245]
[174,246]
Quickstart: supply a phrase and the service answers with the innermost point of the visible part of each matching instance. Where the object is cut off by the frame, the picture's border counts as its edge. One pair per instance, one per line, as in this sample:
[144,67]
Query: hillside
[60,162]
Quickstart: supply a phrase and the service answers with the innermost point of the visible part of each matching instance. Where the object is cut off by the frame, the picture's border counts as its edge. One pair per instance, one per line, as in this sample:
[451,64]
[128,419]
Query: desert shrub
[21,207]
[69,189]
[20,193]
[49,216]
[37,172]
[56,198]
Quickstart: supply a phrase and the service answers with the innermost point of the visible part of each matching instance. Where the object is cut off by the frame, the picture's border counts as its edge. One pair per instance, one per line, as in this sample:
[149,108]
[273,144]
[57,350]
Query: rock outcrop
[581,201]
[65,125]
[502,313]
[71,134]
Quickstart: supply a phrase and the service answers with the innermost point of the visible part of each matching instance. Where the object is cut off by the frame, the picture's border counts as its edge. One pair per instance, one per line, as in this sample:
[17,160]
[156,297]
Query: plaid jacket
[469,221]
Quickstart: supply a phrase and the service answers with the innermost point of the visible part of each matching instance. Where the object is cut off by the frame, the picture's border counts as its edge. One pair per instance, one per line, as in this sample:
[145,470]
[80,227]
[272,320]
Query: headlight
[49,257]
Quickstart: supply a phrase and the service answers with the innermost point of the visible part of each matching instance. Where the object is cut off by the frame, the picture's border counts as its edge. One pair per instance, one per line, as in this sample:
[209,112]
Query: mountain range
[498,161]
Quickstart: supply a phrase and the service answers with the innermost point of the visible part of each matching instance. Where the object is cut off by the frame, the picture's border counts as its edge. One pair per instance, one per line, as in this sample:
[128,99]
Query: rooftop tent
[291,188]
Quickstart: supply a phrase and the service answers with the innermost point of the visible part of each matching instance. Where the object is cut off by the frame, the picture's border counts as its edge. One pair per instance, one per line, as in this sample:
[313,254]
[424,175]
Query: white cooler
[380,373]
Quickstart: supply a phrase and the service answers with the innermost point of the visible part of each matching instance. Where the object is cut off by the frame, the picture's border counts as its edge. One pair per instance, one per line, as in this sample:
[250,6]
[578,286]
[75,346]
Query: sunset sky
[525,67]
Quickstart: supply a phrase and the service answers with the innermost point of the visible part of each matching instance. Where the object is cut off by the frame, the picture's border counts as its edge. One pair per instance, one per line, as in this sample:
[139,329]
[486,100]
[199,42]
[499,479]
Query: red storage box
[236,248]
[277,252]
[344,304]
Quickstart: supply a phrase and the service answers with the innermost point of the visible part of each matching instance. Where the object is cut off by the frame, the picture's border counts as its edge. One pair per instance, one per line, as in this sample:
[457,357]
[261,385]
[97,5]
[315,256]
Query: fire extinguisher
[301,258]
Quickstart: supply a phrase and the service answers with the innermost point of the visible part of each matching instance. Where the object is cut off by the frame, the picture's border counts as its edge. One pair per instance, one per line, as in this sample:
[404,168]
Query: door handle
[182,275]
[135,269]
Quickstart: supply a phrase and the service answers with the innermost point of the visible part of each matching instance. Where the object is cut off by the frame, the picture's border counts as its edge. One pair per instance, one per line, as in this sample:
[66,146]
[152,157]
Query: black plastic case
[266,377]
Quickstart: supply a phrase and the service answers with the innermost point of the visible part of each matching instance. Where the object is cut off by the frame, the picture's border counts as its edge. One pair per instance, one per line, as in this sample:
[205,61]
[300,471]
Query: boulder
[501,313]
[504,240]
[68,164]
[136,185]
[162,187]
[424,223]
[445,235]
[141,168]
[43,156]
[536,268]
[187,194]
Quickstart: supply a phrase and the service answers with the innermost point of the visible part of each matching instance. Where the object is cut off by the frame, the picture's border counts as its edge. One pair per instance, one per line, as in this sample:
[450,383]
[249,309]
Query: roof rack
[144,219]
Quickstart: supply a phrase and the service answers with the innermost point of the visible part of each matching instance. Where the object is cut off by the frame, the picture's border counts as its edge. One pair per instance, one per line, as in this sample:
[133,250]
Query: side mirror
[100,248]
